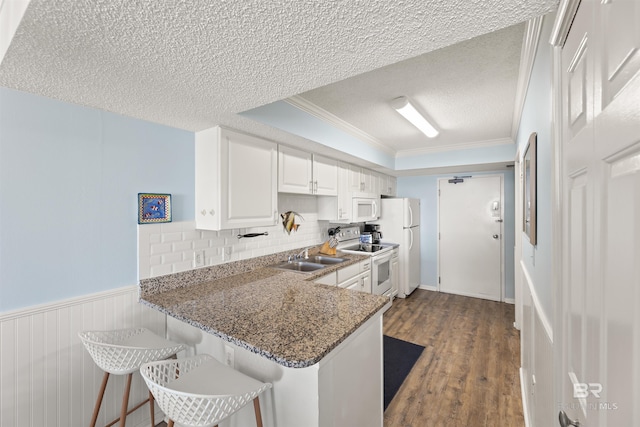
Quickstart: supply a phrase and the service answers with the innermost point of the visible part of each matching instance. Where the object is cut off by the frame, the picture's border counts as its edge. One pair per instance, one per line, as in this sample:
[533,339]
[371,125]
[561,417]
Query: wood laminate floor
[468,374]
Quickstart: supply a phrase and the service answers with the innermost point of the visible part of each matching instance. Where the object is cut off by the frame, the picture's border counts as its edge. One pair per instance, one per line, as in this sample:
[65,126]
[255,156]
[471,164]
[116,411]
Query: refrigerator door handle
[410,234]
[410,216]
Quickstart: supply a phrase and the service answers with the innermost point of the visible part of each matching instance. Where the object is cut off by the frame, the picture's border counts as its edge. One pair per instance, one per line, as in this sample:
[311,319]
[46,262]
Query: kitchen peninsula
[320,346]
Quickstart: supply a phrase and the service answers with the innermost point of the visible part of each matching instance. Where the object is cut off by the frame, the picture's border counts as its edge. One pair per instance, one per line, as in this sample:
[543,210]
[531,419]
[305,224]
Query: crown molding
[566,12]
[527,58]
[455,147]
[311,108]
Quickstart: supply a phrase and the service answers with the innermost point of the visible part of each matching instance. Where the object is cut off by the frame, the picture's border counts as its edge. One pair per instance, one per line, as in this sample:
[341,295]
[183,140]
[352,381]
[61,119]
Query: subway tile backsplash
[170,247]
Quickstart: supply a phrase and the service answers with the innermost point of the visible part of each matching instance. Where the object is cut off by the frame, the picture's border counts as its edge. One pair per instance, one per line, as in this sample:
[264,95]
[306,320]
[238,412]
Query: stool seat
[199,391]
[122,352]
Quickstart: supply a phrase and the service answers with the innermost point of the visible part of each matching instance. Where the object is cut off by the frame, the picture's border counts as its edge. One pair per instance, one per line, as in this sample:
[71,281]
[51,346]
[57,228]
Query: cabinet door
[248,174]
[355,181]
[393,184]
[365,282]
[325,176]
[294,171]
[395,274]
[383,184]
[345,205]
[369,182]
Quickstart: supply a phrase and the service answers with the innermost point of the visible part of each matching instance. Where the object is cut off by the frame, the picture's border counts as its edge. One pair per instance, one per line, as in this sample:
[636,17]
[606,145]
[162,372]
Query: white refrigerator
[400,223]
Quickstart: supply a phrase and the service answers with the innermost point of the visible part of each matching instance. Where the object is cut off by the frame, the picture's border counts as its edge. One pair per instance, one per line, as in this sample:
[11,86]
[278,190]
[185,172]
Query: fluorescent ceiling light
[409,112]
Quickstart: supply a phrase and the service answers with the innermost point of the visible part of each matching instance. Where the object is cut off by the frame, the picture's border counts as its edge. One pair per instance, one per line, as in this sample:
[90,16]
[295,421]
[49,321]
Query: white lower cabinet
[236,180]
[356,277]
[395,271]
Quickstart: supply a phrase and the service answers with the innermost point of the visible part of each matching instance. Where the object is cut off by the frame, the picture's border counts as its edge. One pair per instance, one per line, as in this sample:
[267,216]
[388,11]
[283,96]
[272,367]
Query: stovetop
[365,248]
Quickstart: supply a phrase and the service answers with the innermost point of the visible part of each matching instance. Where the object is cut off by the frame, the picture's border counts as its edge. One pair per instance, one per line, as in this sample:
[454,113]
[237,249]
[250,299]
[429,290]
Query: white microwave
[365,209]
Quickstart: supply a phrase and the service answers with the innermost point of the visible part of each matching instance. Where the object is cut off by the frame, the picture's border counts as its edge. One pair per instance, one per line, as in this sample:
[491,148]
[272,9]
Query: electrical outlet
[198,258]
[229,356]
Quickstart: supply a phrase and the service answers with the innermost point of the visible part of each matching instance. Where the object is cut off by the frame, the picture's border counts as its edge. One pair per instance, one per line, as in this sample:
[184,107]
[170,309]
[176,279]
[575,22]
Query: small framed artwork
[530,189]
[153,208]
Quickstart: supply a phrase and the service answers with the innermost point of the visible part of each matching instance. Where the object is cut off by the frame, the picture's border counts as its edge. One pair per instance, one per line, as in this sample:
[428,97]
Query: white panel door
[599,325]
[470,237]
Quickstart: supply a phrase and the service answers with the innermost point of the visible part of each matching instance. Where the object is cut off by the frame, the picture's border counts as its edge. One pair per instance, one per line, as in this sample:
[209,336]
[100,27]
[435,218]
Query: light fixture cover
[409,112]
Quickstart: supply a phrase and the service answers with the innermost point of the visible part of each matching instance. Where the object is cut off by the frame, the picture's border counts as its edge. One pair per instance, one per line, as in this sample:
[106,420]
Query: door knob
[495,236]
[565,421]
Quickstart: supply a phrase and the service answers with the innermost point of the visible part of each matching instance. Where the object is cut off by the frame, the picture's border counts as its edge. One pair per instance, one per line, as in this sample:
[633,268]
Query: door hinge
[439,280]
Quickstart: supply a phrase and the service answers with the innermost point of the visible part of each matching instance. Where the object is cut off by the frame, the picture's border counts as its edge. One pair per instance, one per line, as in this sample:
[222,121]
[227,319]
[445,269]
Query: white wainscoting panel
[537,379]
[48,379]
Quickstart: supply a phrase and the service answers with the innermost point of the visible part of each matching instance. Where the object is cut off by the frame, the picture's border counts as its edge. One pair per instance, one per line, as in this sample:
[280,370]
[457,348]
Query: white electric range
[349,241]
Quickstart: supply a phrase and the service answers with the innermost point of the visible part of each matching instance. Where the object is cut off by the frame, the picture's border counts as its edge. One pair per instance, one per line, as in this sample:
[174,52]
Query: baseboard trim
[510,300]
[428,288]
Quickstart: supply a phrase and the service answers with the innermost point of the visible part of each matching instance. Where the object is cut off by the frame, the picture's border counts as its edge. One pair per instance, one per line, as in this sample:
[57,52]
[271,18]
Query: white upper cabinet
[363,182]
[337,209]
[295,171]
[387,185]
[325,176]
[304,173]
[236,180]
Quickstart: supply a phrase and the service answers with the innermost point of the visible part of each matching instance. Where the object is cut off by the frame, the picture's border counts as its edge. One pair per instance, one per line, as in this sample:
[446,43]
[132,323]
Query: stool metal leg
[96,409]
[152,407]
[125,401]
[256,407]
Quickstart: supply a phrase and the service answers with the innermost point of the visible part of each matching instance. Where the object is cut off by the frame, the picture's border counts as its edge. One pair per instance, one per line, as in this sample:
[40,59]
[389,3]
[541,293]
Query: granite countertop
[281,315]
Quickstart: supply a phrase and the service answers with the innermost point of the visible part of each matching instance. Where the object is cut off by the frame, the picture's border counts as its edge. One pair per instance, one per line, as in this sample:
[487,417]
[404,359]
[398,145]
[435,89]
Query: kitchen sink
[326,259]
[300,266]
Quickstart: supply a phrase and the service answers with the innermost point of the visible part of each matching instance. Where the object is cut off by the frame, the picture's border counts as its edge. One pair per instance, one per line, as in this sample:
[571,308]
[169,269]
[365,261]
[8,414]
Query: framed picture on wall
[154,208]
[530,191]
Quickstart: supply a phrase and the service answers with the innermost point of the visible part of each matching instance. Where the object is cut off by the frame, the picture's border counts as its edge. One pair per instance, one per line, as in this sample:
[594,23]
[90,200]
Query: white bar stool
[199,391]
[122,352]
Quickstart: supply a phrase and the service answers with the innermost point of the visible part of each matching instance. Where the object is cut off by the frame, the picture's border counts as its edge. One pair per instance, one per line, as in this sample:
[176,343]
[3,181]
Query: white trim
[536,304]
[43,308]
[566,12]
[432,288]
[311,108]
[527,58]
[525,405]
[455,147]
[322,114]
[510,301]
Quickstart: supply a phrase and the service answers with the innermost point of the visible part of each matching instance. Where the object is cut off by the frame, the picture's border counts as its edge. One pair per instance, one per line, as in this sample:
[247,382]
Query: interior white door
[470,237]
[598,350]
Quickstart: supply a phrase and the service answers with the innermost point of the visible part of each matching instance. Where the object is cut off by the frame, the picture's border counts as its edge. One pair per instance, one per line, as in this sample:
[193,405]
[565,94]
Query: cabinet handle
[311,187]
[212,212]
[315,187]
[203,212]
[339,212]
[275,217]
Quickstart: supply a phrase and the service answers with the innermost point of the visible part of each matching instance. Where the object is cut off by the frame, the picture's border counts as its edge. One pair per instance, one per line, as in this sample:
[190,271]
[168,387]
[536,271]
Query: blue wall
[425,188]
[69,179]
[537,117]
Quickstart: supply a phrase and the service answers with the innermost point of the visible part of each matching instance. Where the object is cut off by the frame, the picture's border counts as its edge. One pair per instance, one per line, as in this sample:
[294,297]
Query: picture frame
[154,208]
[529,190]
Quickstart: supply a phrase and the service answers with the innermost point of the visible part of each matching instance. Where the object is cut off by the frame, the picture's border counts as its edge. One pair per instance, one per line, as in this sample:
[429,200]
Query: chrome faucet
[303,254]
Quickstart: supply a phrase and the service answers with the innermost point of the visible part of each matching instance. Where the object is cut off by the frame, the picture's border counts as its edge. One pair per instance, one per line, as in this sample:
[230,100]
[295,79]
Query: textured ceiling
[468,91]
[194,64]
